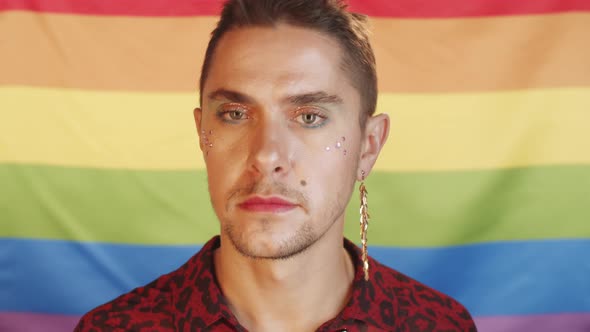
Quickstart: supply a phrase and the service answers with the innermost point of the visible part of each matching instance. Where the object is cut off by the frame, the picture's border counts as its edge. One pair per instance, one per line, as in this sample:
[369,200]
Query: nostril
[278,169]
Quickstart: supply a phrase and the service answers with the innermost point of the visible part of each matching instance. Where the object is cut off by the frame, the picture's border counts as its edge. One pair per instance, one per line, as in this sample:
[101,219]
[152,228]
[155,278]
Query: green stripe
[407,209]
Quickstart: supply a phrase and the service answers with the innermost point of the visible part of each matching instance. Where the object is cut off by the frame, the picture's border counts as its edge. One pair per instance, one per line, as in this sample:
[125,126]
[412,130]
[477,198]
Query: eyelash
[225,111]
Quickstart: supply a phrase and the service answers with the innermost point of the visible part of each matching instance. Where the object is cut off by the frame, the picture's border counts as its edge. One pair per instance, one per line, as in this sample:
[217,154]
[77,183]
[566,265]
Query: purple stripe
[538,323]
[32,322]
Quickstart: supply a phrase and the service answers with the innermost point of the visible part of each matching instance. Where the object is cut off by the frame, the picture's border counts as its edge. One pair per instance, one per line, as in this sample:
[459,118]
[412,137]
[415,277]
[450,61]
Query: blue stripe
[503,278]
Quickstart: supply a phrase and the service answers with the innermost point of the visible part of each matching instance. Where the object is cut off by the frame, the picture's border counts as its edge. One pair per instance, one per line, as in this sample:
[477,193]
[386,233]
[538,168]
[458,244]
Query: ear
[374,137]
[197,113]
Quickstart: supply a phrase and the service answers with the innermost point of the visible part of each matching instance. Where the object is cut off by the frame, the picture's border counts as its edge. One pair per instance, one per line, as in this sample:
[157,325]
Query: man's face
[279,131]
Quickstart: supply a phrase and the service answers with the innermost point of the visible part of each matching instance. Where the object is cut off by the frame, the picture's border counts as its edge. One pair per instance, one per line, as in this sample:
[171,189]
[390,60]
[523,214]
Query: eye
[236,114]
[310,117]
[232,113]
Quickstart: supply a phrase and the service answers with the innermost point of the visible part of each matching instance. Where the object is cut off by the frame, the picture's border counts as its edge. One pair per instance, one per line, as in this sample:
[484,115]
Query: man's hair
[329,17]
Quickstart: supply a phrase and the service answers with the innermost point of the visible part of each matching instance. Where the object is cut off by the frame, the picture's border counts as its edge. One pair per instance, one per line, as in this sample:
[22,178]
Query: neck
[295,294]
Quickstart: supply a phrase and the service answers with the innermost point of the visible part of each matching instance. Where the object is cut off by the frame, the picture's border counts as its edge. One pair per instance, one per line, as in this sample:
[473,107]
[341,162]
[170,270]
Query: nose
[270,149]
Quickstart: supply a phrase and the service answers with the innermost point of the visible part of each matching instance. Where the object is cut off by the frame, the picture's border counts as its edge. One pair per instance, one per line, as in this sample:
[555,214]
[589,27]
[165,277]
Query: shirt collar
[205,300]
[363,305]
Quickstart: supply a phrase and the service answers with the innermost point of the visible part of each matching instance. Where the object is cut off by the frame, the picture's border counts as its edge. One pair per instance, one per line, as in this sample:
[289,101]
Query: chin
[271,244]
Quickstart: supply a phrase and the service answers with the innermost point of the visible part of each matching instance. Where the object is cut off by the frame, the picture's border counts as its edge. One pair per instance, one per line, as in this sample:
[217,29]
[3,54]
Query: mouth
[271,204]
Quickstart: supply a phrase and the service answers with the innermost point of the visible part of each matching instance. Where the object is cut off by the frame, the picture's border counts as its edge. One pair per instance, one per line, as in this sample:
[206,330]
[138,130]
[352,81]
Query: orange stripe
[417,55]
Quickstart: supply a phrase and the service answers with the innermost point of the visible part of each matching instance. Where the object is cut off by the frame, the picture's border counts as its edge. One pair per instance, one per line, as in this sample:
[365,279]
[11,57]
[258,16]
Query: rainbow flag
[483,190]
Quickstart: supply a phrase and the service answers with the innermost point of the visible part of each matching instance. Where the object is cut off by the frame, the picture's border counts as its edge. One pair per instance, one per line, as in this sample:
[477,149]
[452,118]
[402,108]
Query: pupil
[308,118]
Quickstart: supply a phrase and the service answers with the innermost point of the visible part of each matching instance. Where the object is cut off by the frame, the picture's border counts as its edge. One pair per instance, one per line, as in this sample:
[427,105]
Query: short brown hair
[329,17]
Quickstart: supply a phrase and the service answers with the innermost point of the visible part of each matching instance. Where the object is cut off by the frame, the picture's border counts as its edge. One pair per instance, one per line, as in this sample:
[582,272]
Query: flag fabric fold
[482,191]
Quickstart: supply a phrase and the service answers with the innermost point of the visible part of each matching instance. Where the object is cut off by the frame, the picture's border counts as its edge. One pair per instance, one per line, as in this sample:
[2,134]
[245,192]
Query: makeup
[207,143]
[338,145]
[273,204]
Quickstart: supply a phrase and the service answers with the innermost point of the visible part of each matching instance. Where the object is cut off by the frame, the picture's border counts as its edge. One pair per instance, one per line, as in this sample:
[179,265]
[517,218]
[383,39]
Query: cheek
[224,158]
[329,180]
[222,178]
[207,139]
[219,143]
[328,165]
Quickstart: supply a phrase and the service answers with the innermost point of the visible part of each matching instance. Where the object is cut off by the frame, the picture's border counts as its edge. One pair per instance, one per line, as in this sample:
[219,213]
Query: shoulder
[417,305]
[157,305]
[144,307]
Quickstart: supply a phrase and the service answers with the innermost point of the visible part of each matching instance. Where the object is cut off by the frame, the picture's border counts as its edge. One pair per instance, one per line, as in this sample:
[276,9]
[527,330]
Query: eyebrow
[319,97]
[233,96]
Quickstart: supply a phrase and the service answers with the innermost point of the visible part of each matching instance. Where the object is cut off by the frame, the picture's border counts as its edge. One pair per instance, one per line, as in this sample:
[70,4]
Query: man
[286,126]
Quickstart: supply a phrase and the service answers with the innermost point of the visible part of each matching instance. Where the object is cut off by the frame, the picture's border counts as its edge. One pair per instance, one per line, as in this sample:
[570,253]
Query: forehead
[276,61]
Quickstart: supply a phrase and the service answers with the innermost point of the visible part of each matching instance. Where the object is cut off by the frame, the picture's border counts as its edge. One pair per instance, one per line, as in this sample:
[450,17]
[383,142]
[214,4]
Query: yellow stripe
[429,131]
[98,129]
[487,130]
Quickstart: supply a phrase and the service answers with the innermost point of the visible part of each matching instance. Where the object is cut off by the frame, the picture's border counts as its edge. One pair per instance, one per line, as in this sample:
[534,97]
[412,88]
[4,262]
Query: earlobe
[375,136]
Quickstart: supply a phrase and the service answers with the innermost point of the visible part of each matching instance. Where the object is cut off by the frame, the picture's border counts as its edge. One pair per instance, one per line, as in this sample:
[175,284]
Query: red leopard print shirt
[189,299]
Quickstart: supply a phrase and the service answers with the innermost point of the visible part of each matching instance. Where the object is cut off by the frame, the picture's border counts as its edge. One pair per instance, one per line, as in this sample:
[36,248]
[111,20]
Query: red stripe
[118,7]
[382,8]
[464,8]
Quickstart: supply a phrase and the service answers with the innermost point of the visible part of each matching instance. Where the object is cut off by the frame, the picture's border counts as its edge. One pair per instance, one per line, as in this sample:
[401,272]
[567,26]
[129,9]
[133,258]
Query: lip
[273,204]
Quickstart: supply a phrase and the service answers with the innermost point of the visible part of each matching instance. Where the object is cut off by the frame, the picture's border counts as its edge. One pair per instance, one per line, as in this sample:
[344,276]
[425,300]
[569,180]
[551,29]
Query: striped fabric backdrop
[483,190]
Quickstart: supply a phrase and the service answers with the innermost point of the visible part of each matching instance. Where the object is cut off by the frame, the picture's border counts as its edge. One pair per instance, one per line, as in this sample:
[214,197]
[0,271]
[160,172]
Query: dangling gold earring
[364,225]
